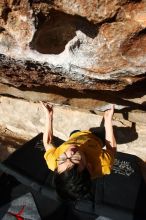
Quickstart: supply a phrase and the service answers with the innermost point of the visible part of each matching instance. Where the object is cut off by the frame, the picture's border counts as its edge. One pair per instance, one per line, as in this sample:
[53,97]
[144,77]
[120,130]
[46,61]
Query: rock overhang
[62,44]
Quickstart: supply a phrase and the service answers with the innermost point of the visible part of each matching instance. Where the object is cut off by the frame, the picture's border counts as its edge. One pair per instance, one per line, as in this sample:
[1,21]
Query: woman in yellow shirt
[79,159]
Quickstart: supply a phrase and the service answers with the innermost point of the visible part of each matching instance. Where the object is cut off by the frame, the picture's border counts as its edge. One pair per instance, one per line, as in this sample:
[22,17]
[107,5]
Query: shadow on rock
[123,135]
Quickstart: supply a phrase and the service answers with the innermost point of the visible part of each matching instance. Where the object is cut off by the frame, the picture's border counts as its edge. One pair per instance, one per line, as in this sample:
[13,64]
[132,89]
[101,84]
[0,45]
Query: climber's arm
[48,130]
[109,133]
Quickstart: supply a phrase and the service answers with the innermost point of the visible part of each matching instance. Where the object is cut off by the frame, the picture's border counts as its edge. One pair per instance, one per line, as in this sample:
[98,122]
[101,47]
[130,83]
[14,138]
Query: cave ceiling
[82,45]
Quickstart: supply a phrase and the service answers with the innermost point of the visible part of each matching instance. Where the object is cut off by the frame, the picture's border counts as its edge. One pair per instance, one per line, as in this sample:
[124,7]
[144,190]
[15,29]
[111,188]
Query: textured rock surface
[133,97]
[27,118]
[93,10]
[73,44]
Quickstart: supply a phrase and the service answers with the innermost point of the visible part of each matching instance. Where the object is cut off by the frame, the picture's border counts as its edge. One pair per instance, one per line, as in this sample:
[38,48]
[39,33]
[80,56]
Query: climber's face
[71,157]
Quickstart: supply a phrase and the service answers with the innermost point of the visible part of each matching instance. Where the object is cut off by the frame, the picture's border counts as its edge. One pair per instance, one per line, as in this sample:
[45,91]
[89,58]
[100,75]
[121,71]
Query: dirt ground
[9,142]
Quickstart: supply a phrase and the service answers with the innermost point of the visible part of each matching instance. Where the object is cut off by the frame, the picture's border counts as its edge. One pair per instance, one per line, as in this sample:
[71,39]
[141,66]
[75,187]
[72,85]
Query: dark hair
[72,184]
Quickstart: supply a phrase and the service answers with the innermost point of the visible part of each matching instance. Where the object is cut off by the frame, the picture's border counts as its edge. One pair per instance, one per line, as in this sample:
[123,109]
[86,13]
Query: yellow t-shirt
[100,160]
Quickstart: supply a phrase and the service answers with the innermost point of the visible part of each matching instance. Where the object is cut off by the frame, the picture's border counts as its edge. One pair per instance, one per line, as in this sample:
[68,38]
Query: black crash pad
[120,195]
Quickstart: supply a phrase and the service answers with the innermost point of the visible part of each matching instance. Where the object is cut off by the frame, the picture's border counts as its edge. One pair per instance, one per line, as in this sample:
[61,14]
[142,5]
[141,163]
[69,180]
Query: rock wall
[79,45]
[83,54]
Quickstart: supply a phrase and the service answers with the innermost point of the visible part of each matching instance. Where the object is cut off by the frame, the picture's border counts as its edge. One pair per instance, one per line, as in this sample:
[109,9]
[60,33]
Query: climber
[79,159]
